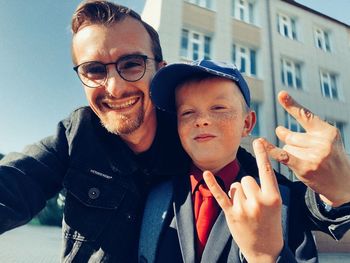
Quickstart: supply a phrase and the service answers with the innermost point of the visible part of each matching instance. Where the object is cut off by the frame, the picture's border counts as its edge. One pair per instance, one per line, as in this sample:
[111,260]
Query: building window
[292,124]
[256,107]
[195,45]
[202,3]
[243,10]
[291,74]
[340,126]
[322,40]
[329,85]
[245,59]
[286,26]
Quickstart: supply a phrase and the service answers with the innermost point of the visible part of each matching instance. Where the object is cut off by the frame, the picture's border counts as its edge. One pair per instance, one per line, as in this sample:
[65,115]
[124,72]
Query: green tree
[52,214]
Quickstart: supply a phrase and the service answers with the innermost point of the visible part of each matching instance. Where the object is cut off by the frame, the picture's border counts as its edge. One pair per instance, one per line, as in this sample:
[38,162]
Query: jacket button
[94,193]
[130,217]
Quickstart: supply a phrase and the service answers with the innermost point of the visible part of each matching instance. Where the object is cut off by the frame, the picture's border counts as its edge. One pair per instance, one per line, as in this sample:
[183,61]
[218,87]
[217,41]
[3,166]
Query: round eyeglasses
[94,74]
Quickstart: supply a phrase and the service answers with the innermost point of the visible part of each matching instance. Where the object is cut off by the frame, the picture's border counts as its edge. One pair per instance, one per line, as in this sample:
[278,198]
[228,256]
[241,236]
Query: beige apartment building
[278,45]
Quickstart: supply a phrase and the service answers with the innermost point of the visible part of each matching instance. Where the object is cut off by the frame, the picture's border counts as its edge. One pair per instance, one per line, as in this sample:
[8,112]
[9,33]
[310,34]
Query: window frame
[243,10]
[291,70]
[199,45]
[287,26]
[322,39]
[208,4]
[237,57]
[340,125]
[331,79]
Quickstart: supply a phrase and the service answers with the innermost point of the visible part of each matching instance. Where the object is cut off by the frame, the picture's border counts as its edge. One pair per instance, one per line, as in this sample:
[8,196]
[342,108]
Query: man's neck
[141,139]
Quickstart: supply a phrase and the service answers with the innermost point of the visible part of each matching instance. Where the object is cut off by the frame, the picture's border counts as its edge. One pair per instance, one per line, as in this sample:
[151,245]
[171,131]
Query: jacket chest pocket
[90,202]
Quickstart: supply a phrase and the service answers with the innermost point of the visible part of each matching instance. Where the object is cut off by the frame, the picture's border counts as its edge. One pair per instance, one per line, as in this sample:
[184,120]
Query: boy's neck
[213,167]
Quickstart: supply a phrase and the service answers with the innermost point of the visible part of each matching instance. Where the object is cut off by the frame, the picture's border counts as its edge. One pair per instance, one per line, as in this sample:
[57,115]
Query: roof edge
[293,2]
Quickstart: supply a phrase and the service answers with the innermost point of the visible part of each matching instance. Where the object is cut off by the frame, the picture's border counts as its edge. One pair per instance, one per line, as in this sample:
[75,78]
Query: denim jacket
[105,183]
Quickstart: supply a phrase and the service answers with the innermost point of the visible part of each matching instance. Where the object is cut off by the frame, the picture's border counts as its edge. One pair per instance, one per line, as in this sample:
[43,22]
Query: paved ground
[31,244]
[38,244]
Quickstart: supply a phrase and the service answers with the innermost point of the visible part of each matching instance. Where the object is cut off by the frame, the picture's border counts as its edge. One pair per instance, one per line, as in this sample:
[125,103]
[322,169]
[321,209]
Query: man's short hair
[106,13]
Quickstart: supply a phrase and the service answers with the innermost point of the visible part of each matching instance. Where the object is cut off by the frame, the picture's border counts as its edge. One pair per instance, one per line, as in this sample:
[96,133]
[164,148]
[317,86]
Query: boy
[212,100]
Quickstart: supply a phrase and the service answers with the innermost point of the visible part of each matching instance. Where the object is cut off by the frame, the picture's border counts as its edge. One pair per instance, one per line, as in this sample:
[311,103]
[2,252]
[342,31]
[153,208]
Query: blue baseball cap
[166,80]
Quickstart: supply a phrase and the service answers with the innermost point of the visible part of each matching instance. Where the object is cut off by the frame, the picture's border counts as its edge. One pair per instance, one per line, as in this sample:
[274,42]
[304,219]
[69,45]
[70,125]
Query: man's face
[122,106]
[212,121]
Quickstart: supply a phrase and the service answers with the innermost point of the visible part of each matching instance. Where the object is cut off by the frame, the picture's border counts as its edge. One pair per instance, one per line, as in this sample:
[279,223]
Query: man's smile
[121,105]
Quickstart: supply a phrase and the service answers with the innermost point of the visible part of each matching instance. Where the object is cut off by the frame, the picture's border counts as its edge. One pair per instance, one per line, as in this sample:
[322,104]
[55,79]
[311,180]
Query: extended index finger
[219,194]
[267,176]
[308,120]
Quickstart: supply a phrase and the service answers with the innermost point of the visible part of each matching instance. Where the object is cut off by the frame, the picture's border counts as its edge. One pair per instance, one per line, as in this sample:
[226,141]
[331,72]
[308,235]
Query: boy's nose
[202,120]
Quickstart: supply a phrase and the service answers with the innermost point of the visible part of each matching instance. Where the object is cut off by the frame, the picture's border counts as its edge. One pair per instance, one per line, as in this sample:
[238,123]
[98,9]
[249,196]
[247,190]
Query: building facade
[277,45]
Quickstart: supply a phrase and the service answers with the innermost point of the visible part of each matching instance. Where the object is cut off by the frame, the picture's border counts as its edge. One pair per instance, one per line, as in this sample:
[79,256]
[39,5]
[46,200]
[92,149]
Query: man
[107,155]
[211,100]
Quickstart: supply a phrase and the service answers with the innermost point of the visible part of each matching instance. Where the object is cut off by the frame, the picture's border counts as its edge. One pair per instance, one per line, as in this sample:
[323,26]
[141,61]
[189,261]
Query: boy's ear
[249,123]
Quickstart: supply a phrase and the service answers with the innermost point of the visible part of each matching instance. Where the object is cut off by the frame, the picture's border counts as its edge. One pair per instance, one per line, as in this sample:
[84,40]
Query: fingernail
[287,98]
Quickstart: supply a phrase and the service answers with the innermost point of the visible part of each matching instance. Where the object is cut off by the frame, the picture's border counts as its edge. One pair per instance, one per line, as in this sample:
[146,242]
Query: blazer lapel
[184,218]
[218,239]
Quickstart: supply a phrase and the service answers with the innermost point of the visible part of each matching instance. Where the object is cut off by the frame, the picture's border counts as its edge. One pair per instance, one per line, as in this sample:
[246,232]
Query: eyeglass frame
[144,57]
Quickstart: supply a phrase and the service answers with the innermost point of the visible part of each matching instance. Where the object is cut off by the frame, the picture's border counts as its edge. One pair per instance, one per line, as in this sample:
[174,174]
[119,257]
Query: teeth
[123,105]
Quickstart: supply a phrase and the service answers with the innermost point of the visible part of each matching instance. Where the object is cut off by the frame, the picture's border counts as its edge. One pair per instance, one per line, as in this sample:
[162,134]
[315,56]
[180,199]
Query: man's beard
[123,124]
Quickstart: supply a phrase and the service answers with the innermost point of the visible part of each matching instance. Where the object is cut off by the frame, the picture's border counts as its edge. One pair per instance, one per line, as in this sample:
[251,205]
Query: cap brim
[166,80]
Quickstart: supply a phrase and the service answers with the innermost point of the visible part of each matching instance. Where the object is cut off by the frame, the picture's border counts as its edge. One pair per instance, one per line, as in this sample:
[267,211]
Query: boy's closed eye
[218,107]
[185,113]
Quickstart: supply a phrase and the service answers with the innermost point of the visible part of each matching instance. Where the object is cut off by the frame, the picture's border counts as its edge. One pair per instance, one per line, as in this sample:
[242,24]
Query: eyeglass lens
[130,68]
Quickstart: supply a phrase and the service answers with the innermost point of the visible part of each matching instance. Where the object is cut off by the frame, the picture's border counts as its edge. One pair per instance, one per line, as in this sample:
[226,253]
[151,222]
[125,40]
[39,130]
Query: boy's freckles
[229,115]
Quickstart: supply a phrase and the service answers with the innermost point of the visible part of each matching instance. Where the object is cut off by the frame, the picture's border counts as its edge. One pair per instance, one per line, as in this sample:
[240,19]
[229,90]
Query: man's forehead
[100,42]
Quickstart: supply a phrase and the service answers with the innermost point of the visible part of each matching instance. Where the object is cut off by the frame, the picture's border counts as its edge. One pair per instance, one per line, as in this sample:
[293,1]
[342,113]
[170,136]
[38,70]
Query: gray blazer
[170,235]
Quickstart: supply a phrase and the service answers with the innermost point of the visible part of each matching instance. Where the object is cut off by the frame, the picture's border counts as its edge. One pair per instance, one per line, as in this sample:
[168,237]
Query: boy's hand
[317,157]
[253,213]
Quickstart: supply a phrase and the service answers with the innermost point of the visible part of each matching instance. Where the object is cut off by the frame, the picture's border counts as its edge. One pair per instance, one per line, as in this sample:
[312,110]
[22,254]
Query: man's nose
[115,85]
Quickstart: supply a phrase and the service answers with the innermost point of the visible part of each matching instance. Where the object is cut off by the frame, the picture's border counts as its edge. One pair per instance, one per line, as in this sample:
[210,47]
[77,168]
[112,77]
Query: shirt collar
[227,174]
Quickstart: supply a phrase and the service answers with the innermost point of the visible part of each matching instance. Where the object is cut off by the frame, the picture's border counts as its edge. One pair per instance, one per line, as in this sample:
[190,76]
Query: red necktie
[206,211]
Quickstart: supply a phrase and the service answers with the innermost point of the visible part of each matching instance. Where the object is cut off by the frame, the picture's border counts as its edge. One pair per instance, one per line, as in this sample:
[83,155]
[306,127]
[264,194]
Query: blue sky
[38,87]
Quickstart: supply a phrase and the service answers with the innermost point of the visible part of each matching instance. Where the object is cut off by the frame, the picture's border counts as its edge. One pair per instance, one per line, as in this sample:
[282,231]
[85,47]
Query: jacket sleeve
[29,178]
[335,223]
[285,256]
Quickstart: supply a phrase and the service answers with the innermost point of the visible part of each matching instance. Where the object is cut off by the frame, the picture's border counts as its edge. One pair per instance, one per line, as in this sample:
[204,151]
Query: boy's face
[211,121]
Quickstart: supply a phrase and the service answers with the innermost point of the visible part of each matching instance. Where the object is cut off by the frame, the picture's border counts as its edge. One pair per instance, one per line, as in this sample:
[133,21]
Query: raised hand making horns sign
[253,212]
[317,157]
